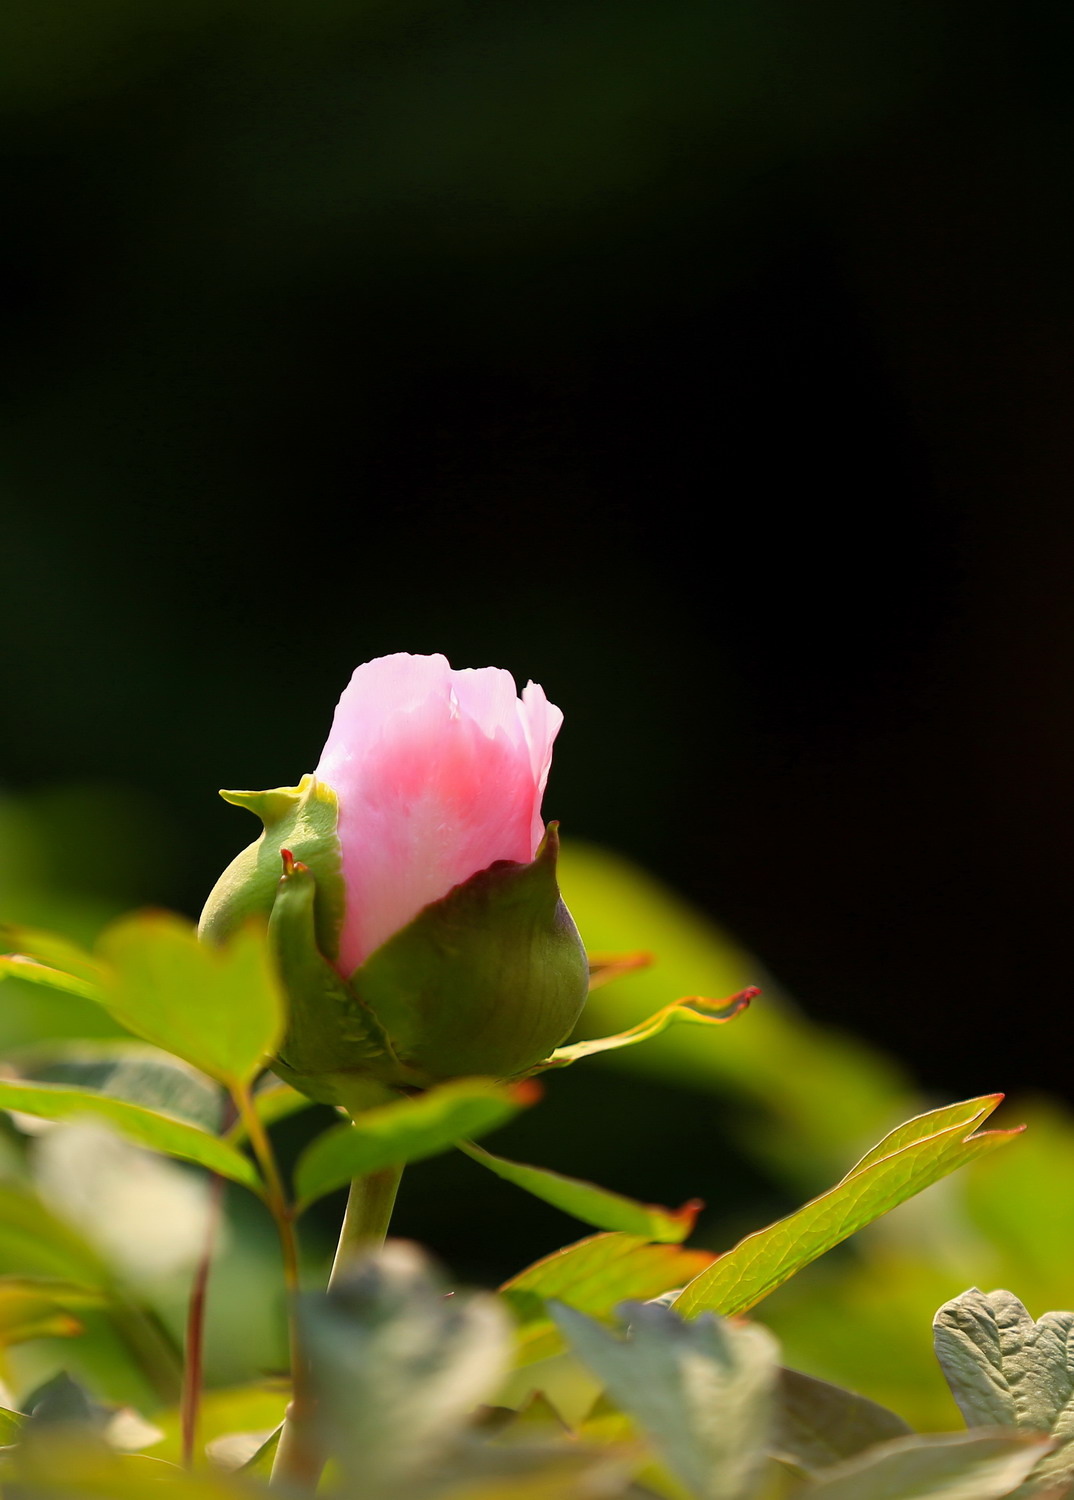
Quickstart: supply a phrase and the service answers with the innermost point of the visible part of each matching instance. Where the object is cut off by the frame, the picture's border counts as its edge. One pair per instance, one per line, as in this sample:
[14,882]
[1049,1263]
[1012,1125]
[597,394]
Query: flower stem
[190,1402]
[297,1464]
[365,1223]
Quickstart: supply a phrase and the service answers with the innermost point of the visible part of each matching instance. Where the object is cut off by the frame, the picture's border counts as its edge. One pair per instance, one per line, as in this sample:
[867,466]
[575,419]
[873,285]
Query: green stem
[297,1464]
[365,1224]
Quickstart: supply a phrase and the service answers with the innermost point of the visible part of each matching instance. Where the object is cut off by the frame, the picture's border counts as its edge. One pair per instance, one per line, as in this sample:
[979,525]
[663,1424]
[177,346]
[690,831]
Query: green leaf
[881,1181]
[397,1367]
[11,1423]
[693,1008]
[945,1466]
[406,1130]
[146,1127]
[228,1409]
[1006,1370]
[50,950]
[704,1391]
[593,1205]
[219,1008]
[594,1276]
[818,1424]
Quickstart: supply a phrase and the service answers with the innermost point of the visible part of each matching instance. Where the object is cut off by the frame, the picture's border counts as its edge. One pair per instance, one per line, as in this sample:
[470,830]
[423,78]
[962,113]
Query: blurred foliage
[754,1115]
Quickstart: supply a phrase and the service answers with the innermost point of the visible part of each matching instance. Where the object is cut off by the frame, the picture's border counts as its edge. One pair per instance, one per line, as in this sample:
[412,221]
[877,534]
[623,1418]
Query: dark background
[709,363]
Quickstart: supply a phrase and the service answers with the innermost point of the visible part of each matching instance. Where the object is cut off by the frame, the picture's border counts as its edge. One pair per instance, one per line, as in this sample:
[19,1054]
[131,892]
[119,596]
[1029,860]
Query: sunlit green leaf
[406,1130]
[10,1425]
[593,1205]
[768,1258]
[818,1424]
[594,1275]
[220,1008]
[944,1466]
[158,1132]
[704,1391]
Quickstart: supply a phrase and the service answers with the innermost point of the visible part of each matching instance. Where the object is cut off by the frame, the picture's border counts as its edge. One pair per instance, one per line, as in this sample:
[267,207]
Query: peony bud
[417,921]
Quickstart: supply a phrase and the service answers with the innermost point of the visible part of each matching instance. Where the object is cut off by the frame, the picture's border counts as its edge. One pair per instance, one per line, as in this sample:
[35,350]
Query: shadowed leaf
[593,1205]
[818,1424]
[944,1466]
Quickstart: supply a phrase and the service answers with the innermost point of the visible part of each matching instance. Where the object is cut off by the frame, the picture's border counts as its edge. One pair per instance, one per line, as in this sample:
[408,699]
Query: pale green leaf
[398,1367]
[593,1205]
[765,1260]
[704,1391]
[145,1127]
[11,1423]
[219,1008]
[259,1464]
[818,1424]
[945,1466]
[1004,1369]
[405,1130]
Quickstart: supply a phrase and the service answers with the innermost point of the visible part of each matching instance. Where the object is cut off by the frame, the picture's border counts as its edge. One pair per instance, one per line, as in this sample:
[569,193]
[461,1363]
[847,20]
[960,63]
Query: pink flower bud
[438,773]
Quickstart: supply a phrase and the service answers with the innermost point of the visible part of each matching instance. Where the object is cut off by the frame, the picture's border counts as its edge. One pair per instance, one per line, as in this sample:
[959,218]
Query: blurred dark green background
[708,362]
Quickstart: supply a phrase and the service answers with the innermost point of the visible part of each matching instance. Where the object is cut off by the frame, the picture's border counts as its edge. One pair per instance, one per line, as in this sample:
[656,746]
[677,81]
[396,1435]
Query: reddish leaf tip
[288,861]
[688,1213]
[527,1092]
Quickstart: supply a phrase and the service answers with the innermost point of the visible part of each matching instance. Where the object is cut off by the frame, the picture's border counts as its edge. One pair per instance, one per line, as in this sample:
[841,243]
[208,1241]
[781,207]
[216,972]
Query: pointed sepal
[301,819]
[329,1034]
[484,981]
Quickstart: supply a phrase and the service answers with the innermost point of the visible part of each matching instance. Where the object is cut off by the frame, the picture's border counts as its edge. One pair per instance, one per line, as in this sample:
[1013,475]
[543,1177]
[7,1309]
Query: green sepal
[330,1033]
[487,980]
[301,819]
